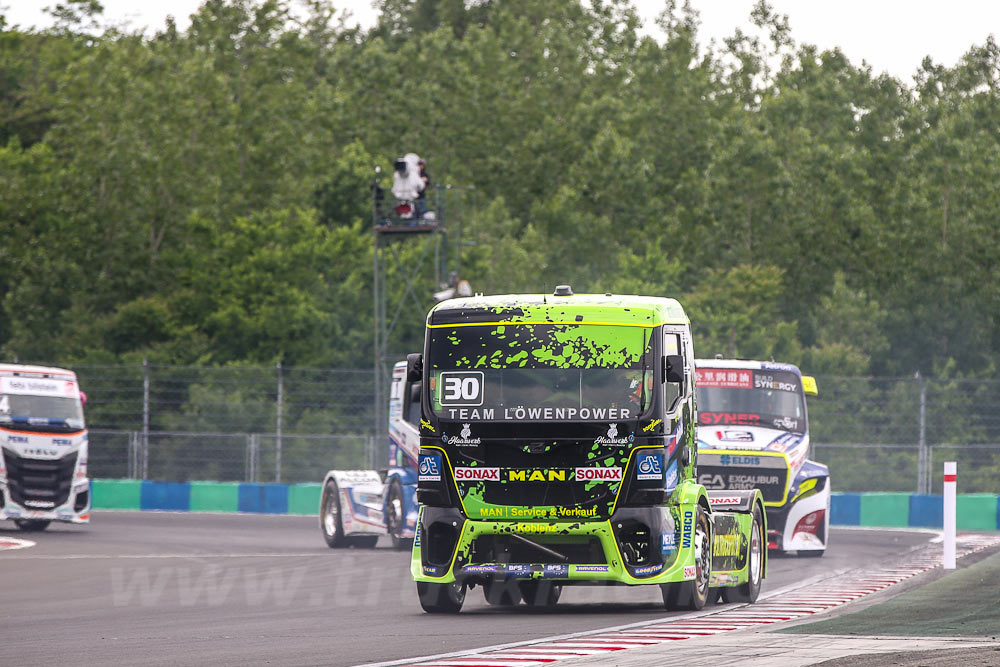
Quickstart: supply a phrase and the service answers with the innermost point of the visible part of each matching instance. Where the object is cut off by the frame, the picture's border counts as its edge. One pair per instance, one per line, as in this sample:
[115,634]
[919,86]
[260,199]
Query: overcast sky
[890,35]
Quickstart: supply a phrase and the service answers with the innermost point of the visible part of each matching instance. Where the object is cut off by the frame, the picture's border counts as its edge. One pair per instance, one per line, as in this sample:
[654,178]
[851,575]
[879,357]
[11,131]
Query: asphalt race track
[148,588]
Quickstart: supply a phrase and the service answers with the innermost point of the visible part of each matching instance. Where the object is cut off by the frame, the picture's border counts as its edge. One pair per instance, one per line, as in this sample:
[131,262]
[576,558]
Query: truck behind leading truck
[557,448]
[43,447]
[753,432]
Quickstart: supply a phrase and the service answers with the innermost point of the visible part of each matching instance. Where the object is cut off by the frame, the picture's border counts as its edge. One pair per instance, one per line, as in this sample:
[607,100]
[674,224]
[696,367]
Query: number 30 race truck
[557,447]
[43,467]
[753,432]
[356,506]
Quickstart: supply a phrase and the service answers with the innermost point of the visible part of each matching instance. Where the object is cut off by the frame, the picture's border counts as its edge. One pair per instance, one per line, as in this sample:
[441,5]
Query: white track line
[11,543]
[801,600]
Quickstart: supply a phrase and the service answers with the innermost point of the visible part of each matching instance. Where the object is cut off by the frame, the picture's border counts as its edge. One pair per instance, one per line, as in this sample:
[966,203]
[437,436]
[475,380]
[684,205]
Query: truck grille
[560,463]
[39,484]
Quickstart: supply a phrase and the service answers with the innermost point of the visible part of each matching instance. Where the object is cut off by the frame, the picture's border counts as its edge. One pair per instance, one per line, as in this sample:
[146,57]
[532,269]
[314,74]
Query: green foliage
[203,196]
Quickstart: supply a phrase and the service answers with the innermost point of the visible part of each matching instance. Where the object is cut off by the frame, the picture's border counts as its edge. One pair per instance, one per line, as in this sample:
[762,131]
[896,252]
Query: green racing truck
[557,448]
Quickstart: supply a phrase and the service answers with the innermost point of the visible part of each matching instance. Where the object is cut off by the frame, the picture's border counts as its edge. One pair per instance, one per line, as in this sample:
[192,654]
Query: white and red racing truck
[753,433]
[43,467]
[357,506]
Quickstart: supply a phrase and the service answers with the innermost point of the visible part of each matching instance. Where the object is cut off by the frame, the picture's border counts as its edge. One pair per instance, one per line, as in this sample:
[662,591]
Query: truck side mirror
[673,368]
[414,367]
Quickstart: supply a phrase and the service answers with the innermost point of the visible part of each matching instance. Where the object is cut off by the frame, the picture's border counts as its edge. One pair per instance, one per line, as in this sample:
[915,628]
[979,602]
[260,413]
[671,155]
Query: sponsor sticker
[728,419]
[650,467]
[482,569]
[591,568]
[612,437]
[737,460]
[598,474]
[672,477]
[518,570]
[556,570]
[39,387]
[477,474]
[430,569]
[429,469]
[724,500]
[648,570]
[734,436]
[464,438]
[688,529]
[723,579]
[668,543]
[690,572]
[720,377]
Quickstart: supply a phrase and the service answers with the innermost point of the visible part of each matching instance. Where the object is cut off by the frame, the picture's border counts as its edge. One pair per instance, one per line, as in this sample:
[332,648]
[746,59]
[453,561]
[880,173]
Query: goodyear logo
[688,523]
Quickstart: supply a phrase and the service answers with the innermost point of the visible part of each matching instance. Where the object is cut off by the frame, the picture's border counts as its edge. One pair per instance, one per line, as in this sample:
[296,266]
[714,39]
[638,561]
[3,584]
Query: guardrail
[979,511]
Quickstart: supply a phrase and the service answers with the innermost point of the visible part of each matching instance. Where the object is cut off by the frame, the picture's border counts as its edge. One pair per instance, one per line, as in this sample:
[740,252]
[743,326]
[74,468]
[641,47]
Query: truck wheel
[329,517]
[540,593]
[441,598]
[363,541]
[749,591]
[32,525]
[813,553]
[503,593]
[692,595]
[395,517]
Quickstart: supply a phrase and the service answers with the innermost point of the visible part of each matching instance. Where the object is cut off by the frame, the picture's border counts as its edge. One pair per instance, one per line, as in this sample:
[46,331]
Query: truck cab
[557,447]
[43,467]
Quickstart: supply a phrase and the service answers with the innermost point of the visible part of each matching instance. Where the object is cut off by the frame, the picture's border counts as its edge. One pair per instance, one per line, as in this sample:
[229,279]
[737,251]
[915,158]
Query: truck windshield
[749,397]
[541,372]
[40,412]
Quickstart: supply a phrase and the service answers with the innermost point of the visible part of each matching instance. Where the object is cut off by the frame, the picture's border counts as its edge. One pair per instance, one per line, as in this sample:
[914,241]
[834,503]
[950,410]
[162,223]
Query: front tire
[441,598]
[813,553]
[396,517]
[749,591]
[32,525]
[692,595]
[329,516]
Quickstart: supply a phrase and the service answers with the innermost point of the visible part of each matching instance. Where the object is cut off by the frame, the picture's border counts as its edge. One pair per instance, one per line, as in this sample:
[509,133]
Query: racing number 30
[462,388]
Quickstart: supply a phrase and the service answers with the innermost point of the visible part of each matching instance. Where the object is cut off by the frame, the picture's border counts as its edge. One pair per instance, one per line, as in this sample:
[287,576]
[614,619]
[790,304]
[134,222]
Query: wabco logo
[688,529]
[430,469]
[650,467]
[726,460]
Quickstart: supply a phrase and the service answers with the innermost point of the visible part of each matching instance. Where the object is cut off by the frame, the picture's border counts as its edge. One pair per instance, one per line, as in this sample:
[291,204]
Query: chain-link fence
[184,423]
[292,424]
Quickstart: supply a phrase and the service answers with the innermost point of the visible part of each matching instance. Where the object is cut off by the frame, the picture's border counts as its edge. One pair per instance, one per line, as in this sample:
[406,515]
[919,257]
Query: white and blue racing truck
[43,466]
[356,506]
[753,432]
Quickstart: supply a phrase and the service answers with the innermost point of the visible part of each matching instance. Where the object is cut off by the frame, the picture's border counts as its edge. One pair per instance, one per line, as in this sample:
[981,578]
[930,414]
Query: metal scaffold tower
[416,255]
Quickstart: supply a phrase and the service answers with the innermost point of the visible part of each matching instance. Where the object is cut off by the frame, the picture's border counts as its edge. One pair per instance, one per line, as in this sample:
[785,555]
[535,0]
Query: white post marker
[950,483]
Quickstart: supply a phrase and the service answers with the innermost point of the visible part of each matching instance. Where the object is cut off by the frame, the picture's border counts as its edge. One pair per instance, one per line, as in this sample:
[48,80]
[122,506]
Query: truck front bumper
[76,509]
[648,545]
